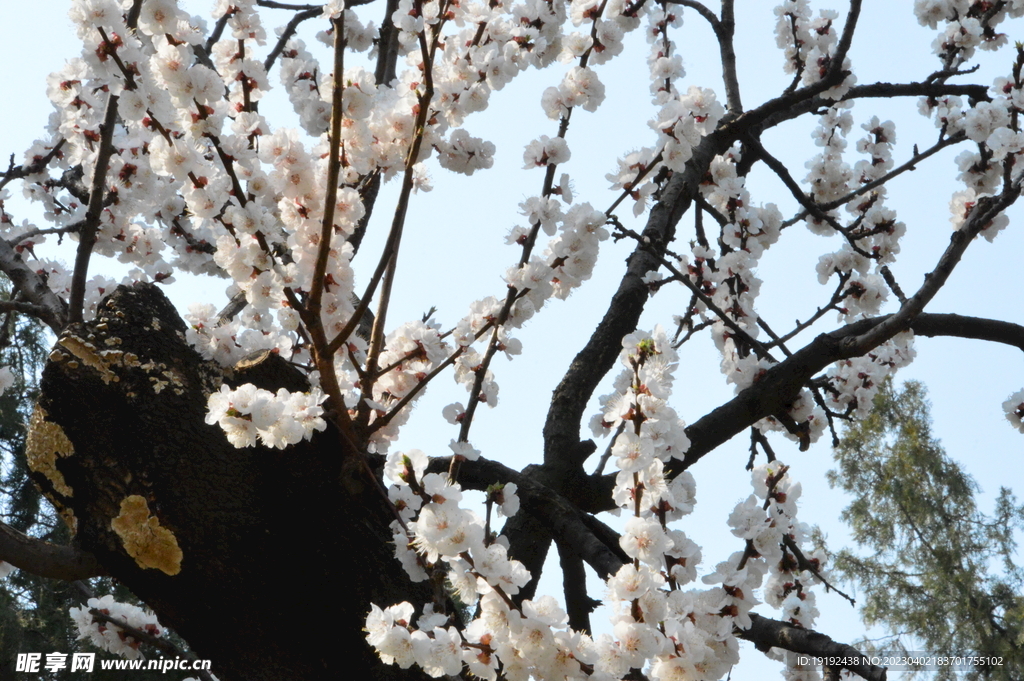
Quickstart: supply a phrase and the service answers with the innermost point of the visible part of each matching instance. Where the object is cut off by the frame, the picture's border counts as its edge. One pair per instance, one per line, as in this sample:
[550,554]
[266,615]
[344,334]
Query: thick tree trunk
[265,561]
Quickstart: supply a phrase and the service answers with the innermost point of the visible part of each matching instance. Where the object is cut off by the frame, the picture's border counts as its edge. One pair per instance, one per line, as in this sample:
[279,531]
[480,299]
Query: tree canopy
[940,574]
[204,454]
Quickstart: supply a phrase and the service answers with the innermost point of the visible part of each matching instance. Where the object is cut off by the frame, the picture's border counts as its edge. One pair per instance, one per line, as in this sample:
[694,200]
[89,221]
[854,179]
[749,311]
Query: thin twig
[36,166]
[289,30]
[805,564]
[608,450]
[893,286]
[87,237]
[865,188]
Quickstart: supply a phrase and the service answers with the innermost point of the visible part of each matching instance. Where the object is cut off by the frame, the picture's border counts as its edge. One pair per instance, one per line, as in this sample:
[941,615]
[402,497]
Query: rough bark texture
[281,551]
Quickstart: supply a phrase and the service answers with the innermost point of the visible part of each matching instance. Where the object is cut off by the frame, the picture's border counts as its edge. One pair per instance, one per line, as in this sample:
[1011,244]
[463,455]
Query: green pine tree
[933,569]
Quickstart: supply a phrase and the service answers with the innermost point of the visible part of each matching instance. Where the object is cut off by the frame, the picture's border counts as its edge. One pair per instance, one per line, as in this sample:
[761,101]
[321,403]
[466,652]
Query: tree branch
[767,633]
[44,559]
[87,237]
[560,516]
[702,10]
[798,103]
[781,383]
[141,636]
[37,165]
[726,31]
[289,30]
[53,310]
[578,604]
[977,328]
[845,40]
[23,307]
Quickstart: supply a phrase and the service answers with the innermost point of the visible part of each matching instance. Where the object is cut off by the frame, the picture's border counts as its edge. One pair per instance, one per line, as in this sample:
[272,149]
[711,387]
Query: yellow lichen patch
[149,544]
[86,352]
[46,442]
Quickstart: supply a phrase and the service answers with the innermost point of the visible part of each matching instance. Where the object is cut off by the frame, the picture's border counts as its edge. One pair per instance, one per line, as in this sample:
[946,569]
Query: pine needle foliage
[941,575]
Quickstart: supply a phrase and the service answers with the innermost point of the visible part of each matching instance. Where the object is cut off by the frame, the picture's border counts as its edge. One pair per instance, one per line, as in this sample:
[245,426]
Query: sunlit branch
[32,233]
[87,237]
[23,307]
[33,287]
[139,635]
[386,265]
[308,12]
[333,171]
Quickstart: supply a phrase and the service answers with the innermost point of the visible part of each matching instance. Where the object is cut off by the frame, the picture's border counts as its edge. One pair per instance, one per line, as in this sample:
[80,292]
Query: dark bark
[45,559]
[281,551]
[767,633]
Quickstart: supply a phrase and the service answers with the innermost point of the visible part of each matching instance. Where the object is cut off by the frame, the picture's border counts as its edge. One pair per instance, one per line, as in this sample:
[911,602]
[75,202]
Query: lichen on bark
[151,545]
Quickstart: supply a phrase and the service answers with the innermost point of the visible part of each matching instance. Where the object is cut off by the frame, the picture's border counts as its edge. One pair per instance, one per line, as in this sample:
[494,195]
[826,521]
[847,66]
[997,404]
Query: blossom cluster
[775,539]
[1014,408]
[278,420]
[730,275]
[993,125]
[411,353]
[675,633]
[853,383]
[809,44]
[689,634]
[108,636]
[965,25]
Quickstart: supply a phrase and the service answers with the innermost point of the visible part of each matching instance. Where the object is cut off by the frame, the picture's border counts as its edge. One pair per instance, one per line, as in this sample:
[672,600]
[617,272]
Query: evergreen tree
[936,571]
